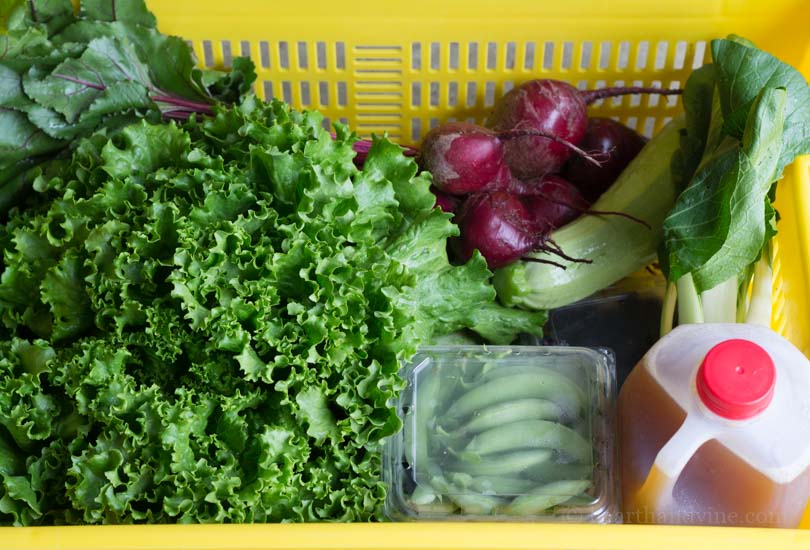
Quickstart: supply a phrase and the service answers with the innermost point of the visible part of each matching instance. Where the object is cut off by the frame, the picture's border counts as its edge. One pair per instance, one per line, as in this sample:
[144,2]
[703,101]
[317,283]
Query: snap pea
[460,479]
[580,500]
[448,387]
[552,471]
[504,464]
[511,370]
[493,485]
[427,471]
[423,494]
[427,392]
[501,445]
[508,412]
[435,508]
[543,384]
[543,498]
[531,434]
[469,503]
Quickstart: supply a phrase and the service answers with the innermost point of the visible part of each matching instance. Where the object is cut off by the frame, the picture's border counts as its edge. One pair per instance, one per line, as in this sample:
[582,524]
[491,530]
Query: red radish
[612,141]
[464,158]
[448,203]
[541,120]
[553,202]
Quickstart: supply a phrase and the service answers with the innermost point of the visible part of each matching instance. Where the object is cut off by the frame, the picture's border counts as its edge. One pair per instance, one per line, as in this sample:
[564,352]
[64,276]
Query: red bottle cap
[736,379]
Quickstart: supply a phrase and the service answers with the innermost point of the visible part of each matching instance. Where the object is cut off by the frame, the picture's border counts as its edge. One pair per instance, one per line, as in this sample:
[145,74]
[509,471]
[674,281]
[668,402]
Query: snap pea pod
[428,470]
[428,393]
[460,479]
[469,503]
[508,412]
[500,371]
[448,387]
[449,441]
[493,485]
[580,500]
[504,464]
[543,498]
[552,471]
[543,384]
[440,508]
[531,434]
[423,494]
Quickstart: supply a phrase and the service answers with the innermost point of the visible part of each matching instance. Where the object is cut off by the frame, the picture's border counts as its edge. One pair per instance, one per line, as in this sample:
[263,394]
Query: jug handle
[805,521]
[673,457]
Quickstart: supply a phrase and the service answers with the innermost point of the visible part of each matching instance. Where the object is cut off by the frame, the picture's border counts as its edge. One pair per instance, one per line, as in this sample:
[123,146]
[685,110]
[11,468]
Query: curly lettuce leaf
[224,308]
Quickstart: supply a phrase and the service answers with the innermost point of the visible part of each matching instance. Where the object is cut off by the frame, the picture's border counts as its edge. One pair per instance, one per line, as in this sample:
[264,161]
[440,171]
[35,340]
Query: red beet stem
[550,246]
[597,212]
[622,214]
[554,249]
[595,95]
[363,146]
[539,261]
[512,134]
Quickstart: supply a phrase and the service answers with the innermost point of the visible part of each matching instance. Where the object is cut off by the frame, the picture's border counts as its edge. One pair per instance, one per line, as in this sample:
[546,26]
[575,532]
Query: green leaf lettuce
[205,323]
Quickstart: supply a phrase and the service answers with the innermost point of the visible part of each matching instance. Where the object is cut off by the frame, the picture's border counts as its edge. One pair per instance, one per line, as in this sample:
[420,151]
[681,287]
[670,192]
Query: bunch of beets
[539,163]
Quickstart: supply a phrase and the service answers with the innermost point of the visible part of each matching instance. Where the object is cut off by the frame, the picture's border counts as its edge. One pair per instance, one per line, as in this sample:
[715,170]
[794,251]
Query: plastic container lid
[736,379]
[505,433]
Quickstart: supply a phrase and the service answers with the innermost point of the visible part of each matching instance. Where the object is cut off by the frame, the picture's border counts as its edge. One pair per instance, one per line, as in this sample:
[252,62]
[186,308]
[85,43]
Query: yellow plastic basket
[400,68]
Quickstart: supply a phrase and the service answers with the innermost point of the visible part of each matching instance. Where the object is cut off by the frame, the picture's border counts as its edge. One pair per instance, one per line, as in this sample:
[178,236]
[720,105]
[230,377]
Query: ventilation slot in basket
[405,89]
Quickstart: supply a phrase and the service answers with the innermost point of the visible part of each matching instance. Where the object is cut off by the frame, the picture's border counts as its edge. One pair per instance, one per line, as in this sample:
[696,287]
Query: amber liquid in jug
[715,487]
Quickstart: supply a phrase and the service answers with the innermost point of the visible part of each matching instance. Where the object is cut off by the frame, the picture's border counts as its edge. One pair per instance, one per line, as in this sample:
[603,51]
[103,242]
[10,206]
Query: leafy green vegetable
[130,11]
[206,323]
[748,116]
[742,73]
[727,194]
[65,76]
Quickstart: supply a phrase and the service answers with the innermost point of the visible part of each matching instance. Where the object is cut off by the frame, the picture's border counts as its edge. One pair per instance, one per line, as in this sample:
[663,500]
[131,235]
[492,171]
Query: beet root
[553,202]
[615,143]
[464,158]
[448,203]
[548,106]
[545,121]
[498,225]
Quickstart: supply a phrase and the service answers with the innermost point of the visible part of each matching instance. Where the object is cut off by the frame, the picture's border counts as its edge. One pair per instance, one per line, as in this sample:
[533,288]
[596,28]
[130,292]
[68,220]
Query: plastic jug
[714,428]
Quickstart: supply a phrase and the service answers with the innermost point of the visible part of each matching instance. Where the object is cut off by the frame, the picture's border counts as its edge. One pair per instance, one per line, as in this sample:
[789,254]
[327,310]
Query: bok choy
[747,117]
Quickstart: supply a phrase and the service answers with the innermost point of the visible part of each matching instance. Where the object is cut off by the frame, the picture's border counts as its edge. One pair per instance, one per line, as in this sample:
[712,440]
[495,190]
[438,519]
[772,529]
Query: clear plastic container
[503,433]
[715,429]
